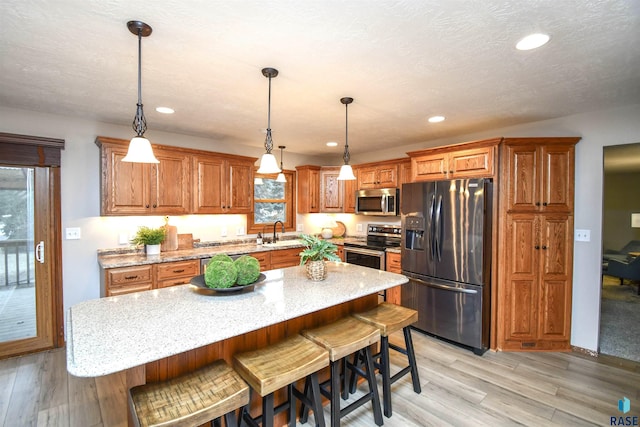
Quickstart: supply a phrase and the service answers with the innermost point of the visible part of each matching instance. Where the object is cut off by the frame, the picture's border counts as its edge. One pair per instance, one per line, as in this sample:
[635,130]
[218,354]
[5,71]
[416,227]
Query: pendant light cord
[346,155]
[139,121]
[268,142]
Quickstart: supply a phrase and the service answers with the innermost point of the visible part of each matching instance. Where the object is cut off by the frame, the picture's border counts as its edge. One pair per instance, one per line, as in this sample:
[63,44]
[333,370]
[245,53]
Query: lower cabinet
[537,282]
[176,273]
[393,262]
[125,280]
[285,258]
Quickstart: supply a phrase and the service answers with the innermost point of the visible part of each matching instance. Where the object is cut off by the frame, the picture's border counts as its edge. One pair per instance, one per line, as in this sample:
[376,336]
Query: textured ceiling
[402,61]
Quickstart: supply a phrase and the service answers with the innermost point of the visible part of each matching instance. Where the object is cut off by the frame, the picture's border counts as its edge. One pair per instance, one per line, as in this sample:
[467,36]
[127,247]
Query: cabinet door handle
[147,206]
[537,247]
[154,205]
[131,277]
[544,204]
[179,271]
[537,203]
[544,247]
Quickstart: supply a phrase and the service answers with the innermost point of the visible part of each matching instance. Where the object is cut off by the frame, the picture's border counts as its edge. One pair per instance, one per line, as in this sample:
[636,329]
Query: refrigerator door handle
[432,229]
[438,234]
[444,287]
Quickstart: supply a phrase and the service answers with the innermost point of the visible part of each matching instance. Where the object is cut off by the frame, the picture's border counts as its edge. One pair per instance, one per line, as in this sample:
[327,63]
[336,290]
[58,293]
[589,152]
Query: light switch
[359,228]
[223,232]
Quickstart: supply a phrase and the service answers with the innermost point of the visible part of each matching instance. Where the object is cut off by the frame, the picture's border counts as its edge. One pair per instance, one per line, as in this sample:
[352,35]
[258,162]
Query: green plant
[317,249]
[220,274]
[248,269]
[149,236]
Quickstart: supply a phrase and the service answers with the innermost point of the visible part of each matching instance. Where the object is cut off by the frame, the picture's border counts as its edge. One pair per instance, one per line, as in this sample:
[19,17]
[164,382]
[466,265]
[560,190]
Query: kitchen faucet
[275,236]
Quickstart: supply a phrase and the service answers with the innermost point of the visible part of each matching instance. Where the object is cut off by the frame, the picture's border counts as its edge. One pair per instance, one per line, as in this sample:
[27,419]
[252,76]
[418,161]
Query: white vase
[153,249]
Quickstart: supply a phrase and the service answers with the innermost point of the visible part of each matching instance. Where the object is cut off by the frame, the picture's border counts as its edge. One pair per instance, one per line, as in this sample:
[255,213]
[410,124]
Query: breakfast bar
[116,333]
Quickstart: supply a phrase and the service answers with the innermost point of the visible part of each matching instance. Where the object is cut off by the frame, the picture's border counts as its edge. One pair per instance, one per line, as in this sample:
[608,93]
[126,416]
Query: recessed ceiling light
[165,110]
[436,119]
[532,41]
[332,144]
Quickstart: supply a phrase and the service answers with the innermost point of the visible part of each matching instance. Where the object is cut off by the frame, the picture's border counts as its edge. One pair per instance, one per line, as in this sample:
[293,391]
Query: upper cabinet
[539,176]
[350,188]
[469,160]
[185,181]
[143,189]
[331,190]
[382,175]
[222,184]
[308,189]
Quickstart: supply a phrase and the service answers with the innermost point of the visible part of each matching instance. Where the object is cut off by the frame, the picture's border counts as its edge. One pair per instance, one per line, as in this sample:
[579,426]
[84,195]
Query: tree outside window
[272,201]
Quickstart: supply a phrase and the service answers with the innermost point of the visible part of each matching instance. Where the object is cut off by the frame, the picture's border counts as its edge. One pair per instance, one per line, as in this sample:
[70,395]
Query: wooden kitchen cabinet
[535,256]
[285,258]
[350,189]
[468,160]
[393,263]
[539,176]
[537,299]
[308,193]
[382,175]
[331,190]
[176,273]
[125,280]
[264,258]
[222,184]
[143,189]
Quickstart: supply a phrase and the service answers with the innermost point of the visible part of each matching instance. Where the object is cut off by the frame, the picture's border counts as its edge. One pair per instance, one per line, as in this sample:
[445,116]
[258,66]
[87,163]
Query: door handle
[40,252]
[444,287]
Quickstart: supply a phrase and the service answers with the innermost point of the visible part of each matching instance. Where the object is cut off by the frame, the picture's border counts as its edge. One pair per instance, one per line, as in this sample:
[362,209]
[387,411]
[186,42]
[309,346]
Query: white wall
[81,205]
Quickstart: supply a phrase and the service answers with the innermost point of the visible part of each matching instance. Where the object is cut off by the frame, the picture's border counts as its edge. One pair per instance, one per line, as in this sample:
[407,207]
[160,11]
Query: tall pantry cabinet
[536,243]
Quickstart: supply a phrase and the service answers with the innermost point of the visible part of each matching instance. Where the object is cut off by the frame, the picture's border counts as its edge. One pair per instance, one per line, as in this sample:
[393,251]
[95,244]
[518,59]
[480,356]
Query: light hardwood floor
[458,388]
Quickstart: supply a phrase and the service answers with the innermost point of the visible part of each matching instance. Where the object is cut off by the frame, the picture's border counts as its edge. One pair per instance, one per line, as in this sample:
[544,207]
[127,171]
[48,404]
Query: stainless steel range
[371,252]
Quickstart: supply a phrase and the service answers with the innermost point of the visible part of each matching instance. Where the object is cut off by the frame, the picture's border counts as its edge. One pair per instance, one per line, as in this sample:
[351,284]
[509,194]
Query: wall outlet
[583,235]
[72,233]
[223,232]
[300,227]
[240,231]
[359,228]
[123,238]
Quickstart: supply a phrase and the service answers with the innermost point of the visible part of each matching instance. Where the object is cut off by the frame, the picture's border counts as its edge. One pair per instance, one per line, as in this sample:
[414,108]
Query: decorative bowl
[198,285]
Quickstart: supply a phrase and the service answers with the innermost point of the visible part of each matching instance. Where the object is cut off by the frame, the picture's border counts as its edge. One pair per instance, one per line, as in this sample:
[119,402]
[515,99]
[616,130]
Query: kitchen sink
[283,243]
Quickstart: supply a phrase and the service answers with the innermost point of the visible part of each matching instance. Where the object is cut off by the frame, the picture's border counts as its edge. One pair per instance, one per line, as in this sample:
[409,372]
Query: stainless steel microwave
[379,201]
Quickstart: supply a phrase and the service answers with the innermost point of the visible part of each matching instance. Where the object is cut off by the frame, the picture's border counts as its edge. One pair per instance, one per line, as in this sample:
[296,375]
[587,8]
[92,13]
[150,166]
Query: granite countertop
[111,334]
[129,258]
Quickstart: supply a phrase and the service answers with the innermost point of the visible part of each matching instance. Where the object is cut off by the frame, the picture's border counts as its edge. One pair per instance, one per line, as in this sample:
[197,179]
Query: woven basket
[316,270]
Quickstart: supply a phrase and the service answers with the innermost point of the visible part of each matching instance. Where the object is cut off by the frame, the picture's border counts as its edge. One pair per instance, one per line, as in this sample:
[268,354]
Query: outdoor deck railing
[16,255]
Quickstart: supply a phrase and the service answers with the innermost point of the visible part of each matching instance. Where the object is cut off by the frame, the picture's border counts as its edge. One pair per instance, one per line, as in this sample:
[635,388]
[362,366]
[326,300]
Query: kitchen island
[173,330]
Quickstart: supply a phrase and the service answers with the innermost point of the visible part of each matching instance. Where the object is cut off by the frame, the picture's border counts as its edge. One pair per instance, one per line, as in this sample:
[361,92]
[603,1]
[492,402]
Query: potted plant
[314,255]
[150,237]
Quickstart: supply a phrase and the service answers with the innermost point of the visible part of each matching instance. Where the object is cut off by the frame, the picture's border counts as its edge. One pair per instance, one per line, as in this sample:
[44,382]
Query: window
[273,201]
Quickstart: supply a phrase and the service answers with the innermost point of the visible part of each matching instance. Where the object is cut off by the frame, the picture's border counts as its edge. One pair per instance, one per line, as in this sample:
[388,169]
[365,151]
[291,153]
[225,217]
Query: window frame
[290,202]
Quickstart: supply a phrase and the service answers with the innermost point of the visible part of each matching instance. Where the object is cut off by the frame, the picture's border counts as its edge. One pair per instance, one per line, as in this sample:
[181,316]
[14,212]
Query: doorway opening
[620,292]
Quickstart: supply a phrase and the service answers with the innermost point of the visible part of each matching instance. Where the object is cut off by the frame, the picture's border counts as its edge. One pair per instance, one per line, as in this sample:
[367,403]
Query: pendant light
[281,177]
[140,148]
[346,172]
[268,162]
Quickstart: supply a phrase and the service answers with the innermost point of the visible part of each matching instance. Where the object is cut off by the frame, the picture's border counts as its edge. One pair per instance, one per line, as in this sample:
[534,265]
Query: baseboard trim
[584,351]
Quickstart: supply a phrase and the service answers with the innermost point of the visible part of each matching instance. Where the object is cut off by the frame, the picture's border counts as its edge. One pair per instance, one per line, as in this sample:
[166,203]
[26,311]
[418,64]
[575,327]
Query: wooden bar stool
[281,365]
[343,338]
[389,318]
[192,399]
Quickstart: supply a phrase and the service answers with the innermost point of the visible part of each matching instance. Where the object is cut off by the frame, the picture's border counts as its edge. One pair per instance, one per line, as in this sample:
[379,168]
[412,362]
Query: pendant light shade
[268,162]
[139,148]
[281,177]
[346,172]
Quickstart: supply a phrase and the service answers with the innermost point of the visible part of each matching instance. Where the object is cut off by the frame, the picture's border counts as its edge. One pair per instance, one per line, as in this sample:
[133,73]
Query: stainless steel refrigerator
[446,253]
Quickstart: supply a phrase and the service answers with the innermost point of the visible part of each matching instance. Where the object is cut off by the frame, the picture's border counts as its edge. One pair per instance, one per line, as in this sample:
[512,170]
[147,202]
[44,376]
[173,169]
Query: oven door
[366,257]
